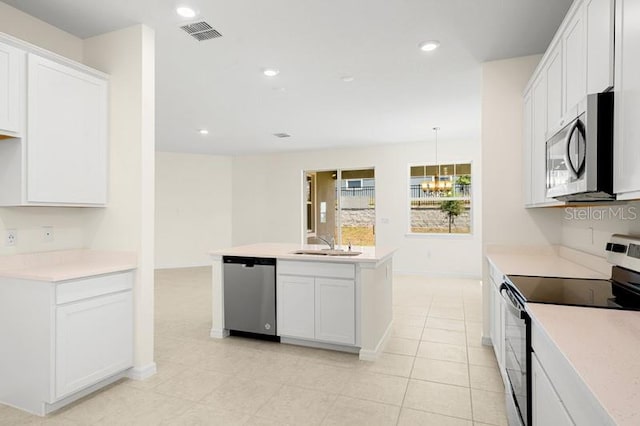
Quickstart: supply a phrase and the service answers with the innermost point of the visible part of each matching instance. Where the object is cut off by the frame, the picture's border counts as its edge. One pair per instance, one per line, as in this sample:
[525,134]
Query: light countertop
[65,265]
[283,251]
[602,346]
[541,263]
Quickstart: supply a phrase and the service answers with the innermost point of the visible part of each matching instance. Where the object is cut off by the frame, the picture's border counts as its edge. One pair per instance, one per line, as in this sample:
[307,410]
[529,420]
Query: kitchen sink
[327,252]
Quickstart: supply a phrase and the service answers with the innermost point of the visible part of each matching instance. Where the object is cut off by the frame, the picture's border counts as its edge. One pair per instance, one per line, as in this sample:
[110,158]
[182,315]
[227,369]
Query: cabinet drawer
[85,288]
[317,269]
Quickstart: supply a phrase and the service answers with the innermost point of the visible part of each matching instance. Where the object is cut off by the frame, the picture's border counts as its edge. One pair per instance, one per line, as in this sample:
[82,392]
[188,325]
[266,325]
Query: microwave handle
[567,158]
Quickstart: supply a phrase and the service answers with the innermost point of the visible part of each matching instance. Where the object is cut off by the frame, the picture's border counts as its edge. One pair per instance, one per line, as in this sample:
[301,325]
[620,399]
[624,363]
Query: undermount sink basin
[327,252]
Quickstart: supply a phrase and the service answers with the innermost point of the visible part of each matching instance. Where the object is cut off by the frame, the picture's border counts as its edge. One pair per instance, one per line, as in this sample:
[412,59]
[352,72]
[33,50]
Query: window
[440,199]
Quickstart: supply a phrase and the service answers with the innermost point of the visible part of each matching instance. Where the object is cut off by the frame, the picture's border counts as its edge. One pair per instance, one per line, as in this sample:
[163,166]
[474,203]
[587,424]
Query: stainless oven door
[566,160]
[517,339]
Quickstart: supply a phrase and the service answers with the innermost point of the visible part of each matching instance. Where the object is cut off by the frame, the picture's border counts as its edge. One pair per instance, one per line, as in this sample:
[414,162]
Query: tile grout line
[413,363]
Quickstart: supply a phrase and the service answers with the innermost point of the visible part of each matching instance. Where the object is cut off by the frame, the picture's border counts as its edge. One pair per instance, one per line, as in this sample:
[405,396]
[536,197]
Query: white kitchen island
[332,302]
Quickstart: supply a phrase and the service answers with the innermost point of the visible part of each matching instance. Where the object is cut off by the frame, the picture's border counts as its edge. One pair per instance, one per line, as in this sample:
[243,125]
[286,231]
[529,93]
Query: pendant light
[425,184]
[438,184]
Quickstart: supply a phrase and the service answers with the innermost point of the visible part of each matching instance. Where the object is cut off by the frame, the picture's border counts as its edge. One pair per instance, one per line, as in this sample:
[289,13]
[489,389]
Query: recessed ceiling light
[347,78]
[430,45]
[203,131]
[185,12]
[270,72]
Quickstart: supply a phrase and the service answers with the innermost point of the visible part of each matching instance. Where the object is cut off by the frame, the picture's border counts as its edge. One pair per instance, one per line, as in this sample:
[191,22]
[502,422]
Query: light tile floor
[434,370]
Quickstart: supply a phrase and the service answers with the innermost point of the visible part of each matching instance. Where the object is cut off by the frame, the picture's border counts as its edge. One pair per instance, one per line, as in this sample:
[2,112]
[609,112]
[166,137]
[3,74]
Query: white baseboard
[142,373]
[486,341]
[319,345]
[372,355]
[182,265]
[434,274]
[219,333]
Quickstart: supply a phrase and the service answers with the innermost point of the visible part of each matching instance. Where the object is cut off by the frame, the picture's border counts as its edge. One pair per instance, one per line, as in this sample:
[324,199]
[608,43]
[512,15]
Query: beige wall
[505,220]
[128,222]
[193,208]
[25,27]
[267,201]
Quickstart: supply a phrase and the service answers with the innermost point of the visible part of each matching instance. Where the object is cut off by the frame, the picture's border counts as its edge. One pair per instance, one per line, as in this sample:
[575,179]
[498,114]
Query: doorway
[339,205]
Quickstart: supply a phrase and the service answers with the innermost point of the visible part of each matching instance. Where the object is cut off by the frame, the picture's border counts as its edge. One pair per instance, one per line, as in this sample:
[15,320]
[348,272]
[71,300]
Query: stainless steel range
[621,291]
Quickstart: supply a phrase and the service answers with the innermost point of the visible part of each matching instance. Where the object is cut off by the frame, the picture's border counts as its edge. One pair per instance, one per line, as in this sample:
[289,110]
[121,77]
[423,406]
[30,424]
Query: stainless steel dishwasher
[250,295]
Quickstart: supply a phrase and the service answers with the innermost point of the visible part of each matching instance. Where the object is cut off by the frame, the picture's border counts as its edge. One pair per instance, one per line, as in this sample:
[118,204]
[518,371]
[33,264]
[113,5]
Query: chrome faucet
[331,243]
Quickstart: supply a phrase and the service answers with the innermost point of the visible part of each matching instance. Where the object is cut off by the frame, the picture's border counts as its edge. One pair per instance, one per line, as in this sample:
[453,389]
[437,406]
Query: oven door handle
[507,293]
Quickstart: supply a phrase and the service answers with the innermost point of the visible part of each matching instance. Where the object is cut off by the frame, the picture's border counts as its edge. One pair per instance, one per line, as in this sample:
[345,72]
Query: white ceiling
[399,93]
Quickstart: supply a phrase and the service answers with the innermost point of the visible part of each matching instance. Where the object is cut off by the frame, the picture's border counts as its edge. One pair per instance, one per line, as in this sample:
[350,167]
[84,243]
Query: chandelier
[437,184]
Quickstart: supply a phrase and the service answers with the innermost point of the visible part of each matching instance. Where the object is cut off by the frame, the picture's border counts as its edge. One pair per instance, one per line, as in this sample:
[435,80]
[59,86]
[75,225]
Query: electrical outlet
[11,237]
[47,234]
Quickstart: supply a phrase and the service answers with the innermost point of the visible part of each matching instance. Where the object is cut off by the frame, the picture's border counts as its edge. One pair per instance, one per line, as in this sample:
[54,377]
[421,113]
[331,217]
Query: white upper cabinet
[54,123]
[527,149]
[626,179]
[12,63]
[575,65]
[553,75]
[599,16]
[579,60]
[67,134]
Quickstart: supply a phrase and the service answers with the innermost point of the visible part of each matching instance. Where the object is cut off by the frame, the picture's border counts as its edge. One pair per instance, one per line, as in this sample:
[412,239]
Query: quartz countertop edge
[65,265]
[284,251]
[601,350]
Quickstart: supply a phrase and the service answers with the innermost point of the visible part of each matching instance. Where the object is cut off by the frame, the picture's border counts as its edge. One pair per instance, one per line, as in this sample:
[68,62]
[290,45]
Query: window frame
[410,233]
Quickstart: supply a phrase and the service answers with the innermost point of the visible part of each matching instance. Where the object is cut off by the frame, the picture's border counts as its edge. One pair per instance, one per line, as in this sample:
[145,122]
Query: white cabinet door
[575,64]
[497,326]
[296,306]
[626,160]
[554,74]
[527,150]
[335,320]
[599,15]
[93,340]
[547,408]
[67,135]
[12,63]
[539,150]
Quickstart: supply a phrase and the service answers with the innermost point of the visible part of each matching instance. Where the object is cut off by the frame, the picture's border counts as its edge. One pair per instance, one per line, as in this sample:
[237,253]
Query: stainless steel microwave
[580,155]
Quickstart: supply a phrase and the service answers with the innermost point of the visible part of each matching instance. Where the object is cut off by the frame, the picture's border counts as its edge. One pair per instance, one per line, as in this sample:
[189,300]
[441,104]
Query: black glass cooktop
[621,292]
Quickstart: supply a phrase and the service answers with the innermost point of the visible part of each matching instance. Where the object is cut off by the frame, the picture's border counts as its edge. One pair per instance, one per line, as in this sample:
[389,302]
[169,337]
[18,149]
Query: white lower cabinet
[335,310]
[547,408]
[295,302]
[496,317]
[60,340]
[319,306]
[93,341]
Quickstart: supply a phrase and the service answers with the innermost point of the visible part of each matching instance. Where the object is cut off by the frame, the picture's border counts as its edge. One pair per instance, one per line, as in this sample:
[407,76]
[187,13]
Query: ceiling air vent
[282,135]
[201,31]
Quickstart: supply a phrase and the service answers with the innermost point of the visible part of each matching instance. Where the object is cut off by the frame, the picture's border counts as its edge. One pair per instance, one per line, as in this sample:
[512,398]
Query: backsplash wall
[589,228]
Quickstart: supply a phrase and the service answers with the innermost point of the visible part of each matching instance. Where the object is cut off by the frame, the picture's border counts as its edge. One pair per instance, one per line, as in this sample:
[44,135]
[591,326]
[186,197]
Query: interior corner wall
[505,220]
[193,208]
[268,201]
[127,224]
[69,224]
[30,29]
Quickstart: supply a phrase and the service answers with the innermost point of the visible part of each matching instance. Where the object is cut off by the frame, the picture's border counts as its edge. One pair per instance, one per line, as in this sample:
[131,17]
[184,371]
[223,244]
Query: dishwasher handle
[248,262]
